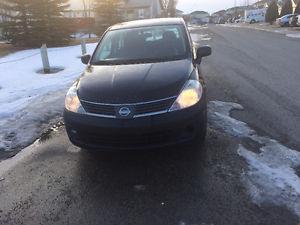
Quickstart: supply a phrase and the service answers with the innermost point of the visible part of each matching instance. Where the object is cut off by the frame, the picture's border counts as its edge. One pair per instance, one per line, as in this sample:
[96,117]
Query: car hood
[134,83]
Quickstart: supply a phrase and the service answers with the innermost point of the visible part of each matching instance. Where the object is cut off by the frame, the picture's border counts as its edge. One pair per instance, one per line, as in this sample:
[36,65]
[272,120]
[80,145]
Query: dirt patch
[53,70]
[87,40]
[48,133]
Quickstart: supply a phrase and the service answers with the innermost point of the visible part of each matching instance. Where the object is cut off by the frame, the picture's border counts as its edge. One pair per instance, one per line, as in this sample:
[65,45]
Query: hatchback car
[284,20]
[293,21]
[142,88]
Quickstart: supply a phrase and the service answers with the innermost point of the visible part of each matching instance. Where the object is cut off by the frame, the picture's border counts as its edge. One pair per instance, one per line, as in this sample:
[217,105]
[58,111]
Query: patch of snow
[195,27]
[272,174]
[293,35]
[28,100]
[267,28]
[219,118]
[271,177]
[200,37]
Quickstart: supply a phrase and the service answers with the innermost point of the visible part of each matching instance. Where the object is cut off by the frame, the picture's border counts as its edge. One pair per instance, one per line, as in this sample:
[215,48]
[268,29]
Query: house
[261,4]
[199,17]
[80,19]
[237,11]
[179,13]
[76,10]
[219,16]
[142,9]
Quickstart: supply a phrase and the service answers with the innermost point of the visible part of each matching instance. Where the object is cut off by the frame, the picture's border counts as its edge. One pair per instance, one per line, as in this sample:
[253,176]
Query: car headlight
[189,96]
[72,102]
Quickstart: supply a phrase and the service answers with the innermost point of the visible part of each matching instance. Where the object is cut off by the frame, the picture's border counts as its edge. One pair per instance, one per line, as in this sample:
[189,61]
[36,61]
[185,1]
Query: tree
[17,17]
[49,26]
[297,9]
[172,8]
[108,12]
[272,12]
[287,8]
[87,6]
[32,23]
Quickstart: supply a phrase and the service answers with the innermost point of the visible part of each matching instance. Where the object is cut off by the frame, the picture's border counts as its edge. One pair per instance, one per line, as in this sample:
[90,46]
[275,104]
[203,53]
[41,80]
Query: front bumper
[93,132]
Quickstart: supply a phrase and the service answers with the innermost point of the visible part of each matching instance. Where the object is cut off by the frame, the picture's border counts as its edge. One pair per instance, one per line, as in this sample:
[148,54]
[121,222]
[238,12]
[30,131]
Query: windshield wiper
[137,61]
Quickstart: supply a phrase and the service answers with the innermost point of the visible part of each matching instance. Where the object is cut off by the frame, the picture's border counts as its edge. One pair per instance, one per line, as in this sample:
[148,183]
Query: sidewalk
[293,32]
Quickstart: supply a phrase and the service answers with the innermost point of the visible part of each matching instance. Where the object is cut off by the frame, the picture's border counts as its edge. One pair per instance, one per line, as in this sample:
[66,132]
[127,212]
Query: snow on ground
[293,35]
[288,31]
[29,100]
[197,27]
[200,37]
[272,176]
[219,117]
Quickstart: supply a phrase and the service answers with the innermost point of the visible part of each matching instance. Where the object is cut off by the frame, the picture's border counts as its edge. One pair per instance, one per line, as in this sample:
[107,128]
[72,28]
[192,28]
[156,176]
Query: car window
[157,43]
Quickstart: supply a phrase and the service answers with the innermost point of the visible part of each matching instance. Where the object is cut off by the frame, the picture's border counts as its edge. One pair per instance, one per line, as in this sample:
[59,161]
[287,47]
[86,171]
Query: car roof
[287,15]
[148,23]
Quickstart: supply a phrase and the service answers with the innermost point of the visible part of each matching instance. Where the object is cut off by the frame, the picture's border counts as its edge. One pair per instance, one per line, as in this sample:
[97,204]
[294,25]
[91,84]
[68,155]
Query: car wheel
[252,21]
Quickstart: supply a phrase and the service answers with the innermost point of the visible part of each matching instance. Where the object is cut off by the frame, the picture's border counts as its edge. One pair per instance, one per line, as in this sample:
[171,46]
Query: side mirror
[203,51]
[85,59]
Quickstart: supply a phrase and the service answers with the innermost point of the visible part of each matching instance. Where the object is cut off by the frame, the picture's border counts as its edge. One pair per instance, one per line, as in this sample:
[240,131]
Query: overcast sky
[208,5]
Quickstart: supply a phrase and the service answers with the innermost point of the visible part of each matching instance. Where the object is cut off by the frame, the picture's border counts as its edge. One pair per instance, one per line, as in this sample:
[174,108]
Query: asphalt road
[53,182]
[261,71]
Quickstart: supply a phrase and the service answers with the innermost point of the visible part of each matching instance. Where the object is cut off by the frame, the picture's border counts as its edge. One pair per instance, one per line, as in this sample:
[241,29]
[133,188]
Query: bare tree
[87,4]
[171,8]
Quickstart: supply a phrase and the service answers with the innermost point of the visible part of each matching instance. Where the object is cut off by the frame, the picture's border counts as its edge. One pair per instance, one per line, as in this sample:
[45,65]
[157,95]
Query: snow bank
[272,174]
[266,27]
[200,37]
[271,177]
[28,100]
[219,118]
[293,35]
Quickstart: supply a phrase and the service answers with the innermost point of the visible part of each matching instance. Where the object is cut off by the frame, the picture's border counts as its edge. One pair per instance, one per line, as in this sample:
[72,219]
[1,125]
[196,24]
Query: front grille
[108,110]
[140,109]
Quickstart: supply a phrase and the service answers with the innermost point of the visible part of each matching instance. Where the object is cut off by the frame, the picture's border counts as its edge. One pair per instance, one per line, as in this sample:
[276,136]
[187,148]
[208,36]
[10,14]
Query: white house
[199,17]
[142,9]
[76,10]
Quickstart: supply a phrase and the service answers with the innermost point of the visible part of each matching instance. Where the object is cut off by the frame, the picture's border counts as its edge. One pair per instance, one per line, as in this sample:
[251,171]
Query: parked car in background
[255,16]
[293,21]
[298,21]
[142,88]
[240,20]
[284,21]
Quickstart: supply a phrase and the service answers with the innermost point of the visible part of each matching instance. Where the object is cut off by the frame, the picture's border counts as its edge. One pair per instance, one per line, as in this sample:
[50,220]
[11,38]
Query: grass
[87,40]
[6,49]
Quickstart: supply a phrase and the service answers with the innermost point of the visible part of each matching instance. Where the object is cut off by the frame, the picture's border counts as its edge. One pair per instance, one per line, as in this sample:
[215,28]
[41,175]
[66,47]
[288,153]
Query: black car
[142,88]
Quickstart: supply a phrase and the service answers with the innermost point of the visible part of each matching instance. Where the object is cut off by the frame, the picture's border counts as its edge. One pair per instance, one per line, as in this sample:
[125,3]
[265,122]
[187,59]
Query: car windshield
[142,45]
